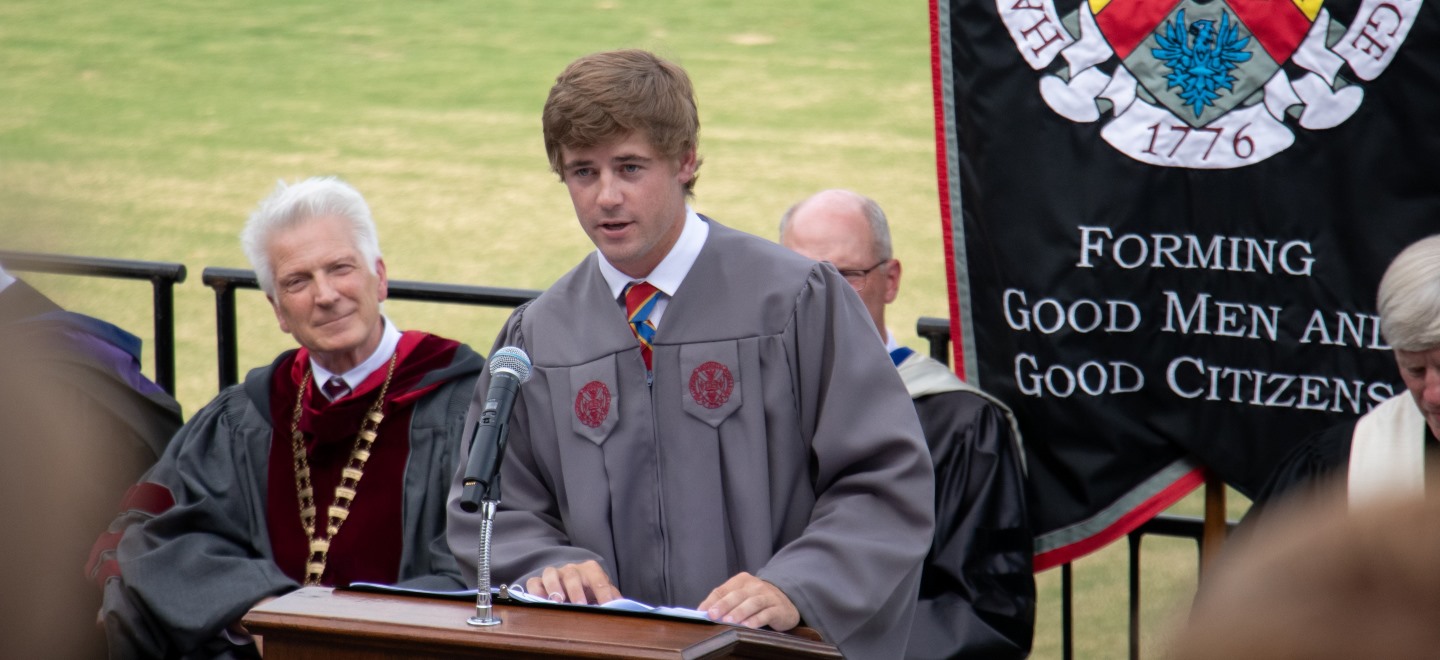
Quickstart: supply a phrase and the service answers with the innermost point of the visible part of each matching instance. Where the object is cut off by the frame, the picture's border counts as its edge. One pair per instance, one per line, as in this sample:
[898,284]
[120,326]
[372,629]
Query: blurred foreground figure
[78,424]
[1383,454]
[326,467]
[977,589]
[1320,580]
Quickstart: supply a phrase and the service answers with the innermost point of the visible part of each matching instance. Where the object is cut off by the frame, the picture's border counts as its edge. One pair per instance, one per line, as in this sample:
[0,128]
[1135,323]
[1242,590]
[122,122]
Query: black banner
[1166,221]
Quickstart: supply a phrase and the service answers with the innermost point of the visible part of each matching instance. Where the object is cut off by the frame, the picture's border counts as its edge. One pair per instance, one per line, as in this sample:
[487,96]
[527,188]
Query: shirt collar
[671,270]
[890,343]
[897,352]
[389,339]
[6,279]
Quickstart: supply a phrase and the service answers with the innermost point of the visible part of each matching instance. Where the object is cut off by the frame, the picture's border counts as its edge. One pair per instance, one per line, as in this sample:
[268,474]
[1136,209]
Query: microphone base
[483,621]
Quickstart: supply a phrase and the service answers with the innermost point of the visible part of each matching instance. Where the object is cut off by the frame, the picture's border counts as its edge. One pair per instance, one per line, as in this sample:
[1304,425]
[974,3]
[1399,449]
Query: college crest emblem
[711,384]
[1205,84]
[592,404]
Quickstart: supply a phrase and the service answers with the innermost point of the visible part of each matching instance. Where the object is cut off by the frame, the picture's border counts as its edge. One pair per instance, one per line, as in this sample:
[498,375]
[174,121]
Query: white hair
[1409,297]
[291,204]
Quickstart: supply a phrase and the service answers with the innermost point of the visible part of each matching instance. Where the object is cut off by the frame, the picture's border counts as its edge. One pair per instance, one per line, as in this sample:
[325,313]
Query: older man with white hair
[328,466]
[1382,454]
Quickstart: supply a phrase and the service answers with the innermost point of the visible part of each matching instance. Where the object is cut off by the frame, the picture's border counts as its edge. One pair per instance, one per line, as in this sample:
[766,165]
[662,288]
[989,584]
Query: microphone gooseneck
[509,367]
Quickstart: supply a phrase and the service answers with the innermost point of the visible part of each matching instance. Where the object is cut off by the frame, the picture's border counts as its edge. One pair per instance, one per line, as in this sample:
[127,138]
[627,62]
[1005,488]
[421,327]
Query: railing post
[937,332]
[1134,542]
[227,347]
[1216,522]
[164,302]
[1067,611]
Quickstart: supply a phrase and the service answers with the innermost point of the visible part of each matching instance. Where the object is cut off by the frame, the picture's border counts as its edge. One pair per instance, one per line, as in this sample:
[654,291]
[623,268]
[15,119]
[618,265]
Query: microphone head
[512,360]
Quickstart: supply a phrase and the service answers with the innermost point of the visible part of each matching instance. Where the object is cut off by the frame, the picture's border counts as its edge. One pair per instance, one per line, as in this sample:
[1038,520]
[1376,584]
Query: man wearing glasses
[977,590]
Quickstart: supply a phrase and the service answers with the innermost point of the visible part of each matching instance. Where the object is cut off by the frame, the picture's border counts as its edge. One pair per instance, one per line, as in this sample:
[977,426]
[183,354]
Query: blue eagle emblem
[1201,67]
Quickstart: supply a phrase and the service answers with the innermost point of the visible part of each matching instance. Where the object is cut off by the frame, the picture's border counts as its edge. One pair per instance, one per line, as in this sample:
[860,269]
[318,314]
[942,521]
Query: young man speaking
[711,421]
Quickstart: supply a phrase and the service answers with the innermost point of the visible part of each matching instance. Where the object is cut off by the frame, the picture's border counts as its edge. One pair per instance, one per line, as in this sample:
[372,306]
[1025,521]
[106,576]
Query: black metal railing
[1184,527]
[163,277]
[226,280]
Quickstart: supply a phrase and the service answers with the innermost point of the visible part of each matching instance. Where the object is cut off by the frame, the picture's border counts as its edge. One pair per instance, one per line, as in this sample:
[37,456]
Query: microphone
[509,367]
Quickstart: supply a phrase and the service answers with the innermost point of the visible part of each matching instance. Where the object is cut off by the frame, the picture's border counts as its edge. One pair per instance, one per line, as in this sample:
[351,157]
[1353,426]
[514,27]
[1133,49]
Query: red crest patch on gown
[711,384]
[592,404]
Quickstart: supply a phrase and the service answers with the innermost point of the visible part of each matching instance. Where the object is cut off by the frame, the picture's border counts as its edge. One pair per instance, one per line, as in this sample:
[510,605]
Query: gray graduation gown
[777,439]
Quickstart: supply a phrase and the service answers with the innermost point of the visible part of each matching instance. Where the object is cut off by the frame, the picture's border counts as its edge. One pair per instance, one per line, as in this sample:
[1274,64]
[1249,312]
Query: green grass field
[150,131]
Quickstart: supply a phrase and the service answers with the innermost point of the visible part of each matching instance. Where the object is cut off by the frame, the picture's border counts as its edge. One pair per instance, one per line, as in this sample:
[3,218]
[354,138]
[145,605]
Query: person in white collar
[327,467]
[977,591]
[1382,455]
[726,434]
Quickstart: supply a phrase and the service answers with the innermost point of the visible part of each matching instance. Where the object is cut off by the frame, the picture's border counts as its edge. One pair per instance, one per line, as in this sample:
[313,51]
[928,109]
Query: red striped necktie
[640,299]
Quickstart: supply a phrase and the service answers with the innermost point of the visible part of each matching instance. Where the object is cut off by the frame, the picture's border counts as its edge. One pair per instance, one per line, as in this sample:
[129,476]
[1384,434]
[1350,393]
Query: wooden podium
[318,623]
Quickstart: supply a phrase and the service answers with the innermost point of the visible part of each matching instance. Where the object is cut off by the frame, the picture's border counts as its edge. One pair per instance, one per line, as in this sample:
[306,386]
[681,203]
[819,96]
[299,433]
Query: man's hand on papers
[585,582]
[751,602]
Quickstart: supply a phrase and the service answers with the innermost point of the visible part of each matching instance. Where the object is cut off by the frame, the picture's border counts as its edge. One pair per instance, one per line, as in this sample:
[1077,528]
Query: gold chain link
[349,476]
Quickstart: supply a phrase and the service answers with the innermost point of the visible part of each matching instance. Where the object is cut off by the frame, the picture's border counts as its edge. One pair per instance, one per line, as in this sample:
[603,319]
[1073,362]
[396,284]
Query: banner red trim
[1125,524]
[942,170]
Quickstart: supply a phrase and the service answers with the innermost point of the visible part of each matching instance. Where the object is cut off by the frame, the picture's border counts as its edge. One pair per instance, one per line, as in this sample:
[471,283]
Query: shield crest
[1202,59]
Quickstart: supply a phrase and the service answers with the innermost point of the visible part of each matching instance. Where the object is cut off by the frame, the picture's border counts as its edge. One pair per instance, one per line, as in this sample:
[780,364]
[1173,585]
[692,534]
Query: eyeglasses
[856,278]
